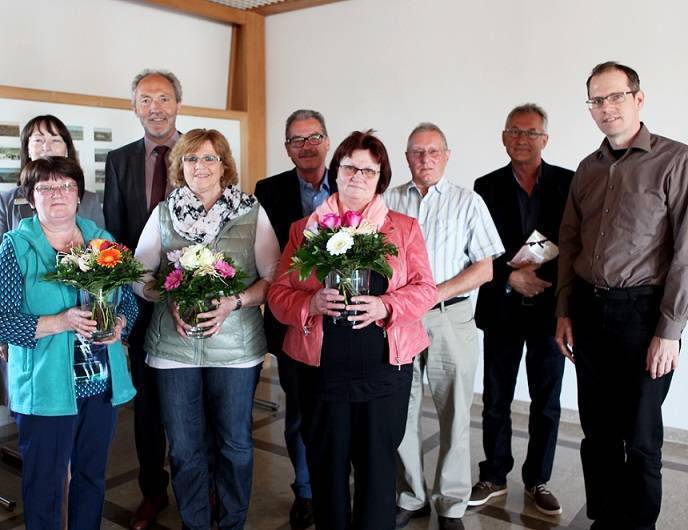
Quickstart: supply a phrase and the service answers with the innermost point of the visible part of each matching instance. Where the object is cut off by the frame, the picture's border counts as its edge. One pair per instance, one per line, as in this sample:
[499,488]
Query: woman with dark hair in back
[44,136]
[354,382]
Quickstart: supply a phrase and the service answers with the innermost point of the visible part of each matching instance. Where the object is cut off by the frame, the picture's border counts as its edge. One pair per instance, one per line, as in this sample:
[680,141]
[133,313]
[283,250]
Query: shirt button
[597,257]
[611,187]
[606,210]
[602,234]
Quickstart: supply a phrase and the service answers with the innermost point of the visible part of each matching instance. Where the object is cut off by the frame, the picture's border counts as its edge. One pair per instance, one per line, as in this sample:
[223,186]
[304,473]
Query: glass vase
[190,312]
[353,283]
[103,307]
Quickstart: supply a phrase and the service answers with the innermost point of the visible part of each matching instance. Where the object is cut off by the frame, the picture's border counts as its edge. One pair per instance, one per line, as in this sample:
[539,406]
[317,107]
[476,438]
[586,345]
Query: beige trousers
[450,363]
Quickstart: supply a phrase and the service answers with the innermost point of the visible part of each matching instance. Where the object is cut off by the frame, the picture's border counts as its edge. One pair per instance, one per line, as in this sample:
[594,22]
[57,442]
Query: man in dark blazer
[135,181]
[517,307]
[287,197]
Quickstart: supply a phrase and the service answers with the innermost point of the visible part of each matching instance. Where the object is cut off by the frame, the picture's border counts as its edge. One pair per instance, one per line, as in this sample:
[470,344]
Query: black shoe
[450,523]
[404,516]
[301,513]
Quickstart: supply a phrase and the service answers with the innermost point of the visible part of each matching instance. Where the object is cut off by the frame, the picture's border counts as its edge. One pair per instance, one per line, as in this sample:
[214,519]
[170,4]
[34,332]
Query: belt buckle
[528,301]
[600,291]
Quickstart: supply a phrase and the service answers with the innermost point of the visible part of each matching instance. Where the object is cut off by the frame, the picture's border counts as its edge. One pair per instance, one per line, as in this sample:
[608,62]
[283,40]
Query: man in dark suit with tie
[135,182]
[517,307]
[287,197]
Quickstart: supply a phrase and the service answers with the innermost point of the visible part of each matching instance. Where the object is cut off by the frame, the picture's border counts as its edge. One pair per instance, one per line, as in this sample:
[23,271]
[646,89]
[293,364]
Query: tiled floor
[272,475]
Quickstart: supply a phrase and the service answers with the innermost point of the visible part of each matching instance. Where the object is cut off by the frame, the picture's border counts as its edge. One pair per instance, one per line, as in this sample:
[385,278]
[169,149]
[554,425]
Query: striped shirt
[456,224]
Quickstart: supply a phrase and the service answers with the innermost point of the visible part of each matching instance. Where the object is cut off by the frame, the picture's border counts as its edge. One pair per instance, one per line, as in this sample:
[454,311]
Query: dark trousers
[149,435]
[363,434]
[503,348]
[48,444]
[289,376]
[620,408]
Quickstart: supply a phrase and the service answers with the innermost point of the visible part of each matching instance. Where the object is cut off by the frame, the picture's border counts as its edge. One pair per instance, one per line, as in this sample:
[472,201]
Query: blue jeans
[227,396]
[48,444]
[288,377]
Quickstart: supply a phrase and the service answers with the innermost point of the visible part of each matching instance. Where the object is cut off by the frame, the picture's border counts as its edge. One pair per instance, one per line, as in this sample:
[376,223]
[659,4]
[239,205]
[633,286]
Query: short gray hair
[427,126]
[305,114]
[528,108]
[176,85]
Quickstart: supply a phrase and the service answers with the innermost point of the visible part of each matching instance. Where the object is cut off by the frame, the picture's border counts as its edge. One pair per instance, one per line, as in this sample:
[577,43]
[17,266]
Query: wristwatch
[239,303]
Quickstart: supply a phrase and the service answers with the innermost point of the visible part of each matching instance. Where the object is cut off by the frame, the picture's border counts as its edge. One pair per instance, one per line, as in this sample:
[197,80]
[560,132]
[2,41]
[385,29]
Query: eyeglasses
[517,133]
[300,141]
[615,98]
[40,140]
[433,154]
[67,187]
[206,160]
[350,171]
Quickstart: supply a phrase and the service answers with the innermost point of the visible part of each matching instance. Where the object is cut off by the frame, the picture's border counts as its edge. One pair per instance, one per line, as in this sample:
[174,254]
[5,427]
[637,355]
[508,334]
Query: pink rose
[352,219]
[330,220]
[173,280]
[225,269]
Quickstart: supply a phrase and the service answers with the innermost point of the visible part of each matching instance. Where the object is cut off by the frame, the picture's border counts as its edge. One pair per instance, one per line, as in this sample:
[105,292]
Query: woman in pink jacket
[354,382]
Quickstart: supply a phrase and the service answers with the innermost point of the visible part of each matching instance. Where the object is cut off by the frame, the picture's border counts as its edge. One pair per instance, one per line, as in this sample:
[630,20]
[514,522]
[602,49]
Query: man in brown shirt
[622,298]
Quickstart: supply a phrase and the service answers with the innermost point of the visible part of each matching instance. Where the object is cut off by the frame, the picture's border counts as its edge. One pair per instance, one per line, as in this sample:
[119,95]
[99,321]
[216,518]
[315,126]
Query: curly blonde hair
[190,143]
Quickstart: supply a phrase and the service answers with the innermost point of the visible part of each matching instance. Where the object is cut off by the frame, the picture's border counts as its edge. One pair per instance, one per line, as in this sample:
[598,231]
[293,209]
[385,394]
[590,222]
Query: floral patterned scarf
[193,223]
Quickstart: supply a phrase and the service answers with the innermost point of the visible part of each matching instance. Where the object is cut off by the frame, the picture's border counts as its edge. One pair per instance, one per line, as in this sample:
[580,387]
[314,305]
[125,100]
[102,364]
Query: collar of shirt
[307,187]
[149,144]
[440,187]
[642,141]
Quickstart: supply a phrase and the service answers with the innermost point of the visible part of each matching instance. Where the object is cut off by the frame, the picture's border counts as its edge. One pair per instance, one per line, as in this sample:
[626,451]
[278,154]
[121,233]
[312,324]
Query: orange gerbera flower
[109,257]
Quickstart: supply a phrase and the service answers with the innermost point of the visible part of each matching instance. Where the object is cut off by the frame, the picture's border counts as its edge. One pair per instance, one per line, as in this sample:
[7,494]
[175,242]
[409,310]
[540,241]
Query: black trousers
[149,434]
[363,434]
[620,407]
[503,349]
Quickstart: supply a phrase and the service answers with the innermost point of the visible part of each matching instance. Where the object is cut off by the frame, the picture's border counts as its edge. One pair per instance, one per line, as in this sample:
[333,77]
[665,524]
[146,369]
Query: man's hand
[525,281]
[564,337]
[662,357]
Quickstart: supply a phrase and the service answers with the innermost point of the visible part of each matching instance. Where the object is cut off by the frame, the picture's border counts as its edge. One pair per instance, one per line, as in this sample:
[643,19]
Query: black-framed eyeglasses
[299,141]
[515,132]
[350,171]
[615,98]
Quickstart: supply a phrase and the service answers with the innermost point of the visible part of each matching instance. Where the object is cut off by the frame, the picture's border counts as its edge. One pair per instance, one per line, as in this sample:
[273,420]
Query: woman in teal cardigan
[63,388]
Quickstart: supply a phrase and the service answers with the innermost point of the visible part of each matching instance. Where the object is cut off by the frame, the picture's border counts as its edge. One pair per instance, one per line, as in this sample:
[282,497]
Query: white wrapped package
[536,250]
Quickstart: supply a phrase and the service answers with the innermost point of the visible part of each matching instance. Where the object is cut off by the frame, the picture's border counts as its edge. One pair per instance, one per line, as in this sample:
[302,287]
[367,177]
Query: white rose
[206,258]
[84,264]
[189,258]
[366,228]
[340,243]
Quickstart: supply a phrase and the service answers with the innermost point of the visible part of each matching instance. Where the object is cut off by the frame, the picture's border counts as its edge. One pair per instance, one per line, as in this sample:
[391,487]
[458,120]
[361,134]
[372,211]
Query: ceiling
[272,7]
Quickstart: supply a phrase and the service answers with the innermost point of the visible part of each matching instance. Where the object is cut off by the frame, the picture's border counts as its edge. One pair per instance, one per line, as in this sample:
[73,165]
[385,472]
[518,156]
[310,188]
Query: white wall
[389,64]
[96,47]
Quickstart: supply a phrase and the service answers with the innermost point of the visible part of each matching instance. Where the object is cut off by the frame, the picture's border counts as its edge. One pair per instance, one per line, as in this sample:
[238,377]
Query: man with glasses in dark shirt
[517,308]
[287,197]
[623,298]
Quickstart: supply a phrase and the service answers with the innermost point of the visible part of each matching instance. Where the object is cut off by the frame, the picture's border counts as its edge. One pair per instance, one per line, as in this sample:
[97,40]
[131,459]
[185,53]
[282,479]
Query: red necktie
[159,176]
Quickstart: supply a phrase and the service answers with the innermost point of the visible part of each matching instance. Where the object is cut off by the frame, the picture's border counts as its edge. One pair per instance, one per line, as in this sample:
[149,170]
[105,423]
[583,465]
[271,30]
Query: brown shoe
[545,501]
[148,510]
[484,490]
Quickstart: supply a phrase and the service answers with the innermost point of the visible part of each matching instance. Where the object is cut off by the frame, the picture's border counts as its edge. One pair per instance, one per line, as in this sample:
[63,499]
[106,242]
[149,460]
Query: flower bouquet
[194,278]
[98,270]
[342,251]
